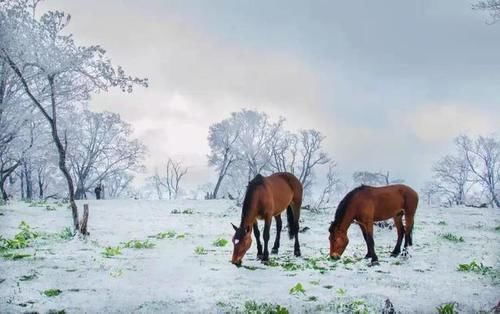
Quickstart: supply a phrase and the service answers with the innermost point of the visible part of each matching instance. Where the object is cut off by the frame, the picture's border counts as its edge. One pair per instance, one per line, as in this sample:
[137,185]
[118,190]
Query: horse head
[338,242]
[242,240]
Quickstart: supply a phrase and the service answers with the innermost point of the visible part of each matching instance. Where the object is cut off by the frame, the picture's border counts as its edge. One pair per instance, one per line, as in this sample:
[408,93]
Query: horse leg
[365,236]
[408,230]
[296,213]
[398,221]
[371,243]
[267,228]
[279,225]
[257,238]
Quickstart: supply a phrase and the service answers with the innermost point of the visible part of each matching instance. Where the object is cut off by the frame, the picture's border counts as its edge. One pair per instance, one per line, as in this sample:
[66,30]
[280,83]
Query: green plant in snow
[52,292]
[442,223]
[353,307]
[21,239]
[200,250]
[220,242]
[297,289]
[453,238]
[252,307]
[447,308]
[475,267]
[138,244]
[66,233]
[15,256]
[110,251]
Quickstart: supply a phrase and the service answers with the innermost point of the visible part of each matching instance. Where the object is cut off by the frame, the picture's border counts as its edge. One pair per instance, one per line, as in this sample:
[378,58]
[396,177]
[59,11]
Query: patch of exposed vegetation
[21,240]
[187,211]
[111,251]
[442,223]
[139,244]
[52,292]
[252,307]
[476,268]
[447,308]
[200,250]
[29,277]
[220,242]
[66,234]
[15,256]
[453,238]
[297,289]
[170,234]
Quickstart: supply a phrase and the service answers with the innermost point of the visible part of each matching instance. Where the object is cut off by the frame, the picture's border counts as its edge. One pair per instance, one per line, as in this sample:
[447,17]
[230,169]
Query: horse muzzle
[335,256]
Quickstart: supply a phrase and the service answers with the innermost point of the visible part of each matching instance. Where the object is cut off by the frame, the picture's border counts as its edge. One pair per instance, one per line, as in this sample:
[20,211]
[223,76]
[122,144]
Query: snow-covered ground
[174,277]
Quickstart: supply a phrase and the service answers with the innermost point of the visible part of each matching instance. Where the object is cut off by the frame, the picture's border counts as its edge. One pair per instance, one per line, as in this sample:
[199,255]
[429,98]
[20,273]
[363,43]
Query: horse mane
[343,205]
[251,187]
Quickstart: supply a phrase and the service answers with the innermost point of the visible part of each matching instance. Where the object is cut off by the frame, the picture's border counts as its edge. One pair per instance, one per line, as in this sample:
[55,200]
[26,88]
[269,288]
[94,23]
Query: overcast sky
[390,83]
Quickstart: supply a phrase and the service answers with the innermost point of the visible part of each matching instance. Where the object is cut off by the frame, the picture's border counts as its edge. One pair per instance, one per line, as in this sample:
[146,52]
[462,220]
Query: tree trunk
[40,187]
[83,227]
[5,197]
[22,184]
[217,187]
[29,182]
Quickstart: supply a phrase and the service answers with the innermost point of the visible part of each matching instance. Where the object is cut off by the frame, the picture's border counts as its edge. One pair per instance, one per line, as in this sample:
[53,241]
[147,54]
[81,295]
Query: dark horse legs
[257,238]
[365,236]
[398,221]
[267,227]
[279,225]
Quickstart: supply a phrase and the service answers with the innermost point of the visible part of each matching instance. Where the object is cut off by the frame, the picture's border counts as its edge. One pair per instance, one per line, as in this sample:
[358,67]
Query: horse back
[391,199]
[284,188]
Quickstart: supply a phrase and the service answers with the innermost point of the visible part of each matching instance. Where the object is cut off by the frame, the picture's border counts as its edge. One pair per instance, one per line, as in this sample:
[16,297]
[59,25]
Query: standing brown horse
[265,198]
[366,204]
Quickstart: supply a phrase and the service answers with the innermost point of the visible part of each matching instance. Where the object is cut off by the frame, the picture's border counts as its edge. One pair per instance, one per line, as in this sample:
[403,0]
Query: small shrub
[187,211]
[52,292]
[447,308]
[111,251]
[200,250]
[220,242]
[252,307]
[453,238]
[475,267]
[355,307]
[21,239]
[138,244]
[66,233]
[297,289]
[168,234]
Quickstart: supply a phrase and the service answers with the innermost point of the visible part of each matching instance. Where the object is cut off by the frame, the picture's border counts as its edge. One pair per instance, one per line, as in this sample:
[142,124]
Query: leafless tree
[492,6]
[54,71]
[483,159]
[452,176]
[332,181]
[311,155]
[222,139]
[373,178]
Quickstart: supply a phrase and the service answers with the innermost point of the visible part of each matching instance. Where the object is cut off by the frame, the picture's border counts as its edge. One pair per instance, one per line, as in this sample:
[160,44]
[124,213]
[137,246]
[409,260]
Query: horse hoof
[259,256]
[374,263]
[274,251]
[394,254]
[367,256]
[297,253]
[265,259]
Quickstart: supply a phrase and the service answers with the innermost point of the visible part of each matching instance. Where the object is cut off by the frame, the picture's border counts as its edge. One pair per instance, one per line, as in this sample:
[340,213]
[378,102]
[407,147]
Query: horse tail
[293,222]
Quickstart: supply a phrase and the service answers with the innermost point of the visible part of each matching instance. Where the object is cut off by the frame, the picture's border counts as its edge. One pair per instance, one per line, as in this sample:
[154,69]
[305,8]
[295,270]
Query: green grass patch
[52,292]
[21,240]
[252,307]
[453,238]
[447,308]
[187,211]
[354,307]
[66,234]
[139,244]
[220,242]
[476,268]
[200,250]
[297,289]
[167,234]
[15,256]
[111,251]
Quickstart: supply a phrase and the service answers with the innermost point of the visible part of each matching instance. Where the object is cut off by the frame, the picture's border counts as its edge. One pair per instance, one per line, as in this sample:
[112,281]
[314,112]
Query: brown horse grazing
[366,204]
[265,198]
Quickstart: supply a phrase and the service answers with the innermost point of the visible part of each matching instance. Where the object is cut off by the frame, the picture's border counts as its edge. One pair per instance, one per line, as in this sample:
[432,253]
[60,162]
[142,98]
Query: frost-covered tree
[54,71]
[222,139]
[492,6]
[170,180]
[373,178]
[451,175]
[482,156]
[100,149]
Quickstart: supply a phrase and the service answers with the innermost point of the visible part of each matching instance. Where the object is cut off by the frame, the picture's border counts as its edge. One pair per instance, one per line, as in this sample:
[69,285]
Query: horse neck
[250,216]
[345,222]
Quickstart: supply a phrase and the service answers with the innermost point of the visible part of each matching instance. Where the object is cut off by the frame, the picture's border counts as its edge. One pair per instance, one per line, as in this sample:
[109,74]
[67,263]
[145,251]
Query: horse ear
[234,227]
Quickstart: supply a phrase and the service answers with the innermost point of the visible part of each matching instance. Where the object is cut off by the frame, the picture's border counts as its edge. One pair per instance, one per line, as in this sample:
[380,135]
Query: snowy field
[186,272]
